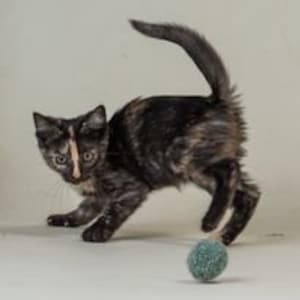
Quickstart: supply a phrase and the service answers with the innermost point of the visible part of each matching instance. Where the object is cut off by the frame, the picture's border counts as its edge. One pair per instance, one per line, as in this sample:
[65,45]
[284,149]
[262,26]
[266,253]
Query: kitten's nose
[76,176]
[76,172]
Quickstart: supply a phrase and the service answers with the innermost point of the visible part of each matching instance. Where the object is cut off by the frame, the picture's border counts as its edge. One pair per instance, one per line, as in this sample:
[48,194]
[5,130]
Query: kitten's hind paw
[227,239]
[208,226]
[62,221]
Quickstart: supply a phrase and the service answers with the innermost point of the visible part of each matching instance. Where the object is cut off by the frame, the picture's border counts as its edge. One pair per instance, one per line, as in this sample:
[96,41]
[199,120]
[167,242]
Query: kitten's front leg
[88,209]
[115,215]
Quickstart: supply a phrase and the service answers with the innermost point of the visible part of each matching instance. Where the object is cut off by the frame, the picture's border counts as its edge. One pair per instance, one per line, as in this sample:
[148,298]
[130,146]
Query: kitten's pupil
[60,159]
[88,156]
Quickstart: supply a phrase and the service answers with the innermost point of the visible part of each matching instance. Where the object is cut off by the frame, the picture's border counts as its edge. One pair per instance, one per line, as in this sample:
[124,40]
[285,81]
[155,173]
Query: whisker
[48,190]
[55,200]
[60,196]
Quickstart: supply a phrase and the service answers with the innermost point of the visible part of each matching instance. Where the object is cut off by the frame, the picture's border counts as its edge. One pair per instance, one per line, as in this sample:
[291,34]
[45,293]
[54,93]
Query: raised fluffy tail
[199,49]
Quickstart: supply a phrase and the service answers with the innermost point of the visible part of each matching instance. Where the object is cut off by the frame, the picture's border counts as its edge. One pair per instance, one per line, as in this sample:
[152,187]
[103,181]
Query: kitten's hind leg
[226,174]
[244,204]
[88,209]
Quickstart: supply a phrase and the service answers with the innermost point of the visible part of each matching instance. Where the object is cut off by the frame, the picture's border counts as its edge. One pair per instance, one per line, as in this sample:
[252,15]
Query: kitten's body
[157,142]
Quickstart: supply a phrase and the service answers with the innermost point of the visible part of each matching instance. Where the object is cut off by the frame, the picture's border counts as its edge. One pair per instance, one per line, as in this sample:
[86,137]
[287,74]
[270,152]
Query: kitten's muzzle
[74,180]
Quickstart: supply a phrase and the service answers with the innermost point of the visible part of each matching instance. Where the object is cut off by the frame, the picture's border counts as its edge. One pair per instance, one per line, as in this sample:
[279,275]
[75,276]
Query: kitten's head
[73,147]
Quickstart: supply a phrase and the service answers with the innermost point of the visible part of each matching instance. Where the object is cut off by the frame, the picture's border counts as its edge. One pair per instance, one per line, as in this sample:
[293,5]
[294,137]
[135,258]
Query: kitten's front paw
[96,234]
[62,221]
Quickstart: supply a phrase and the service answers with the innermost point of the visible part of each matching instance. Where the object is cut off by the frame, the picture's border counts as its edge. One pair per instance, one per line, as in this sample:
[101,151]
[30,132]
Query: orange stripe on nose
[74,154]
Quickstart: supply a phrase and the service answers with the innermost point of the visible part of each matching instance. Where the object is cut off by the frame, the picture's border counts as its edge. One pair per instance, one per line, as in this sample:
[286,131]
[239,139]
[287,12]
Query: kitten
[154,143]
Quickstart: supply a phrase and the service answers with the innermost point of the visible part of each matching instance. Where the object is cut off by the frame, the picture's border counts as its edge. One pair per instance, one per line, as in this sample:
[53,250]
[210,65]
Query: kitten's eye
[60,160]
[88,156]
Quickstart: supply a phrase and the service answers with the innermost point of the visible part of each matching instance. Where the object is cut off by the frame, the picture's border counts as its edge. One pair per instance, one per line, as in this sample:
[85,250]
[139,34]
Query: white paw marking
[66,223]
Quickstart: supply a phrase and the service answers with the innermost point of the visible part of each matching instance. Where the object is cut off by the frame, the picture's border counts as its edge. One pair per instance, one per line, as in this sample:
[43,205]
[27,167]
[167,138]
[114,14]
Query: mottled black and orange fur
[158,142]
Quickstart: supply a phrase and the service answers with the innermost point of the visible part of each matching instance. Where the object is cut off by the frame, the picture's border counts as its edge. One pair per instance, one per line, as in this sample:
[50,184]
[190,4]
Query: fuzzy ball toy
[207,260]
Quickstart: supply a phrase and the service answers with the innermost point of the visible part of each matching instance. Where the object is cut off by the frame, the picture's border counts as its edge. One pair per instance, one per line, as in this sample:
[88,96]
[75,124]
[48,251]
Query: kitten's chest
[86,188]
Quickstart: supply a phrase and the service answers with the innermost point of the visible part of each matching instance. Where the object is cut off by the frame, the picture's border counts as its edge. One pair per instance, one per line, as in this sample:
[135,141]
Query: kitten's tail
[199,49]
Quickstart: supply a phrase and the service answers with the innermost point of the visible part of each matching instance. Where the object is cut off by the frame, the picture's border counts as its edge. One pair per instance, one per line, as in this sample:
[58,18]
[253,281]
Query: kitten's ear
[46,128]
[42,123]
[94,120]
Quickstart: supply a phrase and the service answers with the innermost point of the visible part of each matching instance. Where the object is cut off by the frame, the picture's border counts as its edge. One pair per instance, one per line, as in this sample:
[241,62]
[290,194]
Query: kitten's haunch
[154,143]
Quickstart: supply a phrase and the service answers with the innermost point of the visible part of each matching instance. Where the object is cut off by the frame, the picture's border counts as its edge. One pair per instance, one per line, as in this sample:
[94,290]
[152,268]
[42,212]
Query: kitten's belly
[160,175]
[168,173]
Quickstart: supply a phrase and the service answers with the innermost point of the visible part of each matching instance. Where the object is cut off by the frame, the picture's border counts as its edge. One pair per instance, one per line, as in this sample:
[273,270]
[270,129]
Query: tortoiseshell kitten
[153,143]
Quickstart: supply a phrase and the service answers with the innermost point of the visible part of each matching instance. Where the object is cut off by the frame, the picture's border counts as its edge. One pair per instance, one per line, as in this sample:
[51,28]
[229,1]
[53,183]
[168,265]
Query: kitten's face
[73,147]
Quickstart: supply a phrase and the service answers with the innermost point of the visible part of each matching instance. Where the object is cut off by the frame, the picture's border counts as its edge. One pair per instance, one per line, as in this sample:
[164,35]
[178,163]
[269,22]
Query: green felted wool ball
[207,260]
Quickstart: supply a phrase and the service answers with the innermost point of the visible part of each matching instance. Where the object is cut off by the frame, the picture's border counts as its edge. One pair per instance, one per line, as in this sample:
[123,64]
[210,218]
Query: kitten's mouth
[75,181]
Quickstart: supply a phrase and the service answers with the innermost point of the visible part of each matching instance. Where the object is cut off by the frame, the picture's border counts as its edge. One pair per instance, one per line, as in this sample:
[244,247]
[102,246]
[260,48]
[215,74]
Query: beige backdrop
[65,57]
